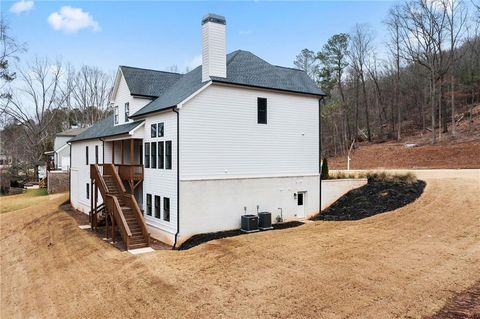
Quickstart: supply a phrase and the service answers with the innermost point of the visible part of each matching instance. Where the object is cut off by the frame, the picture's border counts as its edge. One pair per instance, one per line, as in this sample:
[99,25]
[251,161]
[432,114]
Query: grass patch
[31,197]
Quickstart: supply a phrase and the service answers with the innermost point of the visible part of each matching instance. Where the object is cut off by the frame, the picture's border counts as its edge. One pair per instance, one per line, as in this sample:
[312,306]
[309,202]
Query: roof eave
[267,88]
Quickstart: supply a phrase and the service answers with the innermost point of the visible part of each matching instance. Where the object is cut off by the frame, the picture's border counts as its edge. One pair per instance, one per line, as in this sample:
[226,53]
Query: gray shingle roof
[243,68]
[147,82]
[72,131]
[105,128]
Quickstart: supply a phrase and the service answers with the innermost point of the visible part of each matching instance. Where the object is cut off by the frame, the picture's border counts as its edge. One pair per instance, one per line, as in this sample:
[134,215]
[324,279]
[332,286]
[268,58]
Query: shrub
[324,174]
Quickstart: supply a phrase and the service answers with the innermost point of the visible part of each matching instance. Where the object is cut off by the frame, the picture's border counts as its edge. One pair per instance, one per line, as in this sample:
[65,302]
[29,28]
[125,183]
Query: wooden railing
[114,207]
[130,172]
[132,203]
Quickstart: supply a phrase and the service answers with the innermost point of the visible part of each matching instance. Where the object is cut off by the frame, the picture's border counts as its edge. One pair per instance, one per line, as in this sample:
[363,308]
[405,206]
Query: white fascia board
[136,128]
[191,96]
[117,83]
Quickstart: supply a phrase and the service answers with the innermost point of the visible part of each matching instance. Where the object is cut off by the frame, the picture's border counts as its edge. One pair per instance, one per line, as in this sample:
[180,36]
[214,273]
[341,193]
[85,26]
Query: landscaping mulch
[203,238]
[464,305]
[374,198]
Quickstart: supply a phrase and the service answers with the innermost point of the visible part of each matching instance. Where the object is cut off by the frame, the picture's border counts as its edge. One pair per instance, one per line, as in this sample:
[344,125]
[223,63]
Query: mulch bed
[203,238]
[374,198]
[464,305]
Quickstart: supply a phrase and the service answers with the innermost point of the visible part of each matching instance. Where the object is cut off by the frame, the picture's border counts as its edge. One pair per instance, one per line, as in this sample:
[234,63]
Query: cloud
[22,6]
[71,20]
[194,62]
[245,32]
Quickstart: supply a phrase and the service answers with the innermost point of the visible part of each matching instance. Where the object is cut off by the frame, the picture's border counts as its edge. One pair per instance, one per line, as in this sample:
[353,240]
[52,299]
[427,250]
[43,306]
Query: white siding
[220,137]
[80,172]
[162,182]
[123,96]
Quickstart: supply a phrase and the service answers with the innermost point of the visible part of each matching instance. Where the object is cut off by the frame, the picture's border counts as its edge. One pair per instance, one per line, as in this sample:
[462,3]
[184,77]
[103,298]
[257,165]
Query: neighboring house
[198,150]
[60,156]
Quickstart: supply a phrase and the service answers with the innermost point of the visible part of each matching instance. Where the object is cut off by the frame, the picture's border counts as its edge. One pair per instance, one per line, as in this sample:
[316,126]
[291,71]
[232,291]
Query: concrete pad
[84,227]
[139,251]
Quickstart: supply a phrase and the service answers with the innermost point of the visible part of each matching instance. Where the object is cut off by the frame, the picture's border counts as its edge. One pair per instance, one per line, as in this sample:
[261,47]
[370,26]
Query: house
[60,156]
[188,154]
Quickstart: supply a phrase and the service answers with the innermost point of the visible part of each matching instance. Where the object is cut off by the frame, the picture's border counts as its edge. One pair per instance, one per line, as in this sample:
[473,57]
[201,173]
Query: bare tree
[361,47]
[33,103]
[306,61]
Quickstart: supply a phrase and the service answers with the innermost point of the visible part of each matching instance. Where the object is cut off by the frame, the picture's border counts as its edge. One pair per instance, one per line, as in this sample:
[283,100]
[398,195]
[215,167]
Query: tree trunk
[453,104]
[432,97]
[369,135]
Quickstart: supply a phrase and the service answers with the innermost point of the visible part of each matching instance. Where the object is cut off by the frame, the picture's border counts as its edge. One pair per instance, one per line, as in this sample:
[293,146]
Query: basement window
[166,209]
[149,204]
[157,206]
[154,155]
[161,160]
[261,110]
[88,191]
[115,112]
[168,154]
[160,130]
[153,130]
[147,155]
[127,111]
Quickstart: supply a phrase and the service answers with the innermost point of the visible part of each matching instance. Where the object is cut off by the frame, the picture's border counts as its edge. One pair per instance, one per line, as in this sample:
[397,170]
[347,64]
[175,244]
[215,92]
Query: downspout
[178,176]
[320,155]
[70,175]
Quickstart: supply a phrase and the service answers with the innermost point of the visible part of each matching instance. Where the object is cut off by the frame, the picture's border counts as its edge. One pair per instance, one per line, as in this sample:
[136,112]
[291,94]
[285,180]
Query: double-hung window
[161,160]
[160,129]
[153,155]
[149,204]
[157,206]
[115,112]
[261,110]
[168,154]
[153,130]
[86,155]
[96,154]
[147,155]
[166,209]
[127,111]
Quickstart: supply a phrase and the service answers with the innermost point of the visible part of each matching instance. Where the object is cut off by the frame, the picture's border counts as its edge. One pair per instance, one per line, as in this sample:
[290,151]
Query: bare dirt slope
[405,263]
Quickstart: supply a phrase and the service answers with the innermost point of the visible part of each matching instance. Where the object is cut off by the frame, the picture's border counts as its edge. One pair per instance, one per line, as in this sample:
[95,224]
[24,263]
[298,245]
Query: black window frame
[147,154]
[160,129]
[262,111]
[127,111]
[161,154]
[300,199]
[115,114]
[157,207]
[168,154]
[153,130]
[86,156]
[166,209]
[88,191]
[153,155]
[149,205]
[96,154]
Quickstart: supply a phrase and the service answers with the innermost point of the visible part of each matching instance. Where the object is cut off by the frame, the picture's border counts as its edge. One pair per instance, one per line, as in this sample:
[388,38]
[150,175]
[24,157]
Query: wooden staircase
[122,208]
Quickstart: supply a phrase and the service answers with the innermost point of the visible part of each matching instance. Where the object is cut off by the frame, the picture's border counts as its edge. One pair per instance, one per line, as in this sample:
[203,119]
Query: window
[127,111]
[86,155]
[166,209]
[300,199]
[161,160]
[160,130]
[96,154]
[88,191]
[168,154]
[147,155]
[115,112]
[153,154]
[157,206]
[153,130]
[149,204]
[261,110]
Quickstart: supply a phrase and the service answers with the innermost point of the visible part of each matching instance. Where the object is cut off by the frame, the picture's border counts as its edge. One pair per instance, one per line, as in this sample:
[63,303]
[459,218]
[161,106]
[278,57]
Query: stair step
[141,245]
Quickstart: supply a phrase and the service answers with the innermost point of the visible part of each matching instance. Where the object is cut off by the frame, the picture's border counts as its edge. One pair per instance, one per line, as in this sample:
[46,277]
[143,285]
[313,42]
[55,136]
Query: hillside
[461,152]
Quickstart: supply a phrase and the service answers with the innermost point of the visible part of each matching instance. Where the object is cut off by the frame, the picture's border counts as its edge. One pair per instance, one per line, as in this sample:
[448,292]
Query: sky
[159,34]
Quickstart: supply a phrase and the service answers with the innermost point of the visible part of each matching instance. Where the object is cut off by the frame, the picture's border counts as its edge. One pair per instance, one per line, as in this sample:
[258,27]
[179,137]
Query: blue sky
[158,34]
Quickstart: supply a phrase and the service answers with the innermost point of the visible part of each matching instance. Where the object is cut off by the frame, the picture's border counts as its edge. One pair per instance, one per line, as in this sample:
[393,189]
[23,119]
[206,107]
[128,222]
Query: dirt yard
[406,263]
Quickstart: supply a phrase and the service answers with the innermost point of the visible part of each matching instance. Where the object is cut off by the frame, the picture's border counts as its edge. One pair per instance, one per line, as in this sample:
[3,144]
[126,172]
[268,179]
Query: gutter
[178,177]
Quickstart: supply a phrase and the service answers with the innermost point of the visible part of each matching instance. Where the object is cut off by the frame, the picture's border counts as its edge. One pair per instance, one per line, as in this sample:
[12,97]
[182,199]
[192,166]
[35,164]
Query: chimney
[214,58]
